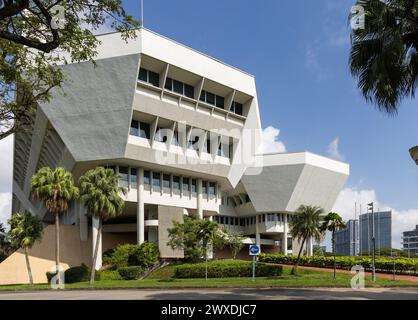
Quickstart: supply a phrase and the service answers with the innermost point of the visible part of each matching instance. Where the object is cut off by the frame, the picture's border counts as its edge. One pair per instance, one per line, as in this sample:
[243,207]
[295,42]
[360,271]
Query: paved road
[217,294]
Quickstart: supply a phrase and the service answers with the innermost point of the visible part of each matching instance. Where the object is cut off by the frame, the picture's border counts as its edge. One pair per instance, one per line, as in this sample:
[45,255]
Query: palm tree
[333,222]
[383,55]
[207,234]
[100,191]
[56,189]
[305,224]
[25,230]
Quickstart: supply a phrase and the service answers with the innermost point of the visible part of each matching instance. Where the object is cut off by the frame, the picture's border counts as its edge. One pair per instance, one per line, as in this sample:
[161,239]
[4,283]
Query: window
[149,77]
[247,198]
[186,184]
[204,187]
[156,176]
[213,99]
[166,181]
[212,188]
[226,220]
[140,129]
[236,108]
[264,218]
[123,177]
[175,140]
[221,220]
[179,87]
[220,102]
[147,177]
[193,185]
[208,145]
[134,178]
[210,98]
[176,182]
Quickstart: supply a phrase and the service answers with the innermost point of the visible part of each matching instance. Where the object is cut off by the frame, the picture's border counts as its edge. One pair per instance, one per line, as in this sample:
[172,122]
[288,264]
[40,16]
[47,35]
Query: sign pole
[253,268]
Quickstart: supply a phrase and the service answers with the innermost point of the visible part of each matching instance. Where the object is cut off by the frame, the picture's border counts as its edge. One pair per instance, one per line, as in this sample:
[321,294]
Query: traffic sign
[254,250]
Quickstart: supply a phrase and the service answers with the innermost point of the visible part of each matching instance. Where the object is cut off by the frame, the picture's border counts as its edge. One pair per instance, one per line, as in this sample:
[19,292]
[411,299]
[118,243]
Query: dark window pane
[204,187]
[169,84]
[188,91]
[144,130]
[221,220]
[203,96]
[143,75]
[220,102]
[247,198]
[210,98]
[166,181]
[134,128]
[193,185]
[238,108]
[186,184]
[154,78]
[156,179]
[175,140]
[176,182]
[134,178]
[208,145]
[178,87]
[146,177]
[212,188]
[123,176]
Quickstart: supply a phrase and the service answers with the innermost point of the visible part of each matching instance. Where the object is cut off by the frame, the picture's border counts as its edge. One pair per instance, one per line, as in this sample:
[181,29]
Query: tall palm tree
[100,192]
[25,230]
[333,222]
[305,224]
[56,189]
[383,55]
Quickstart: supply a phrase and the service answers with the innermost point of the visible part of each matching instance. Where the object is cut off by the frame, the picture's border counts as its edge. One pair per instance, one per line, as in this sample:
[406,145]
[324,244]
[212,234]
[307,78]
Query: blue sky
[298,52]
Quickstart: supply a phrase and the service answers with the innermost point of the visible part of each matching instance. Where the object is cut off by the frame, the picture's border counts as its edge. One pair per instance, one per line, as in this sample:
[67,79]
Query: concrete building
[347,240]
[410,241]
[382,229]
[183,131]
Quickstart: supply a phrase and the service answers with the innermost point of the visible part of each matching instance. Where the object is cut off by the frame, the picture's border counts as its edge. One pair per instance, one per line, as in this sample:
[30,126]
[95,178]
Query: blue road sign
[254,250]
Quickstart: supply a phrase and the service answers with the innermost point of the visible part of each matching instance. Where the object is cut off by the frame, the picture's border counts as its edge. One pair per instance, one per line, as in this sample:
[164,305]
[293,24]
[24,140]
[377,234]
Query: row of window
[158,179]
[188,90]
[248,221]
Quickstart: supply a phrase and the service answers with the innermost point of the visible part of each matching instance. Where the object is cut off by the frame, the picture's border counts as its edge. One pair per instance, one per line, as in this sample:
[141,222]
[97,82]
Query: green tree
[100,192]
[234,240]
[333,222]
[25,230]
[207,234]
[56,189]
[383,55]
[305,224]
[29,30]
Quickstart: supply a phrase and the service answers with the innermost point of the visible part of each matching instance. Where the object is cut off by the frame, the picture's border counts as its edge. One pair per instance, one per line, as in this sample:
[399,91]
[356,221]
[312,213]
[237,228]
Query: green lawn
[163,278]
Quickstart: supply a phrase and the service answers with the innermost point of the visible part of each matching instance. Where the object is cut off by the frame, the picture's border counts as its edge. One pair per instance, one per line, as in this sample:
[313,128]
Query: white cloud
[333,149]
[6,161]
[271,143]
[402,220]
[5,207]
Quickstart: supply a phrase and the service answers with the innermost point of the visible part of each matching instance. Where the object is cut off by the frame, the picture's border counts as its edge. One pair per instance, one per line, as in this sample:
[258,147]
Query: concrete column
[309,247]
[284,242]
[257,232]
[95,229]
[199,199]
[83,224]
[140,216]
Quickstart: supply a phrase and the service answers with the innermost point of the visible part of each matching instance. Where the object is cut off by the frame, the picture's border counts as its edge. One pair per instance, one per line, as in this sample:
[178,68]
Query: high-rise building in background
[382,230]
[410,241]
[347,240]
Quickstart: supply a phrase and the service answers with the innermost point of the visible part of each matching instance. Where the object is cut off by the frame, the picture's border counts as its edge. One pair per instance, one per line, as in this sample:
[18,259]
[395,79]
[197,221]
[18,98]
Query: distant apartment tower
[346,240]
[410,241]
[382,231]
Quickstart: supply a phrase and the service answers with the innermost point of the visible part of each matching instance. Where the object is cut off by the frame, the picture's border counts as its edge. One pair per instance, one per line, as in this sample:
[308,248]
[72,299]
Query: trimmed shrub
[226,269]
[146,255]
[110,275]
[120,256]
[131,273]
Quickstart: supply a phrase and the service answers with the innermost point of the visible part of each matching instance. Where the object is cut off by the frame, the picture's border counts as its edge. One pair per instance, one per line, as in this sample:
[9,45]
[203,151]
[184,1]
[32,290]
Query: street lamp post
[370,206]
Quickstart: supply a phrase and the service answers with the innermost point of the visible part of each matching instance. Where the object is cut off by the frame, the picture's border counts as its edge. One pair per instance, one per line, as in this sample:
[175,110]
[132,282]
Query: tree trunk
[206,260]
[96,250]
[333,251]
[57,241]
[28,266]
[295,267]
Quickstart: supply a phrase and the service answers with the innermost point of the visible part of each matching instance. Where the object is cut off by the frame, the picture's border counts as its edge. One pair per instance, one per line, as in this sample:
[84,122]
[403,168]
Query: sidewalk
[369,274]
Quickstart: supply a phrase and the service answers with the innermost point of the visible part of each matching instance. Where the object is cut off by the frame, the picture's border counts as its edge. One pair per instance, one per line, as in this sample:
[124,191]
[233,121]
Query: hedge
[382,263]
[226,269]
[131,273]
[75,274]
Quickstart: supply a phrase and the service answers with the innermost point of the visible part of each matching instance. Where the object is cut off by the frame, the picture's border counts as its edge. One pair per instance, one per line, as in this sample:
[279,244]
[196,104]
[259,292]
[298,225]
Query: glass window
[193,143]
[166,181]
[154,78]
[143,76]
[175,140]
[247,198]
[134,178]
[169,84]
[220,102]
[221,219]
[161,135]
[226,220]
[147,177]
[264,218]
[208,145]
[123,177]
[193,185]
[210,98]
[188,91]
[204,187]
[144,130]
[156,182]
[178,87]
[237,108]
[203,96]
[186,184]
[134,128]
[176,182]
[212,188]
